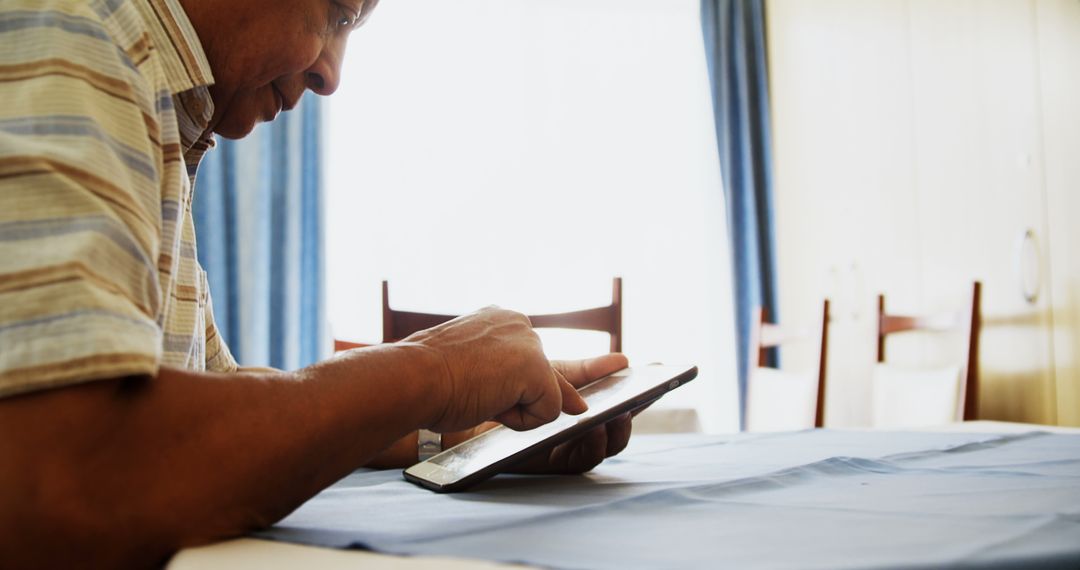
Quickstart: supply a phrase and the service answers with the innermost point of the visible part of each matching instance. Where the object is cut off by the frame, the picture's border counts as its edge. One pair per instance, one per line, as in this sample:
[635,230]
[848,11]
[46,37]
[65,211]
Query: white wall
[844,178]
[1059,54]
[913,144]
[523,153]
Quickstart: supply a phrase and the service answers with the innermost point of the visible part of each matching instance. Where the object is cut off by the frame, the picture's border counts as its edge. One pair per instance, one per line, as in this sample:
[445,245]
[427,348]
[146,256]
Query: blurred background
[719,156]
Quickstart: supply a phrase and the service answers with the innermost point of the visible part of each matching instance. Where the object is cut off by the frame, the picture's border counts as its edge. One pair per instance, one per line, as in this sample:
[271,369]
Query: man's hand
[586,451]
[496,369]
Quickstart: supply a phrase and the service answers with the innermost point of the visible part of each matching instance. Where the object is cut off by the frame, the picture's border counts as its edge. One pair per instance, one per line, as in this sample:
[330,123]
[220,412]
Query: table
[826,498]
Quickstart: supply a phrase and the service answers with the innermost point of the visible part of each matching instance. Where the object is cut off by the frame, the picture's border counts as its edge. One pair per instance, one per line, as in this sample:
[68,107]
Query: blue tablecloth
[814,499]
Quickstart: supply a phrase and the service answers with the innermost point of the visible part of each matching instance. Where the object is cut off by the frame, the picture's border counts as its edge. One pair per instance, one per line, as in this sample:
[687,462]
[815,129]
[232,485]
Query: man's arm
[127,471]
[124,472]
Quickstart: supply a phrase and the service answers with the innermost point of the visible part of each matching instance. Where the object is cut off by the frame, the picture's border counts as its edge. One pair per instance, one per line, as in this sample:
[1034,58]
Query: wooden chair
[398,324]
[780,399]
[967,322]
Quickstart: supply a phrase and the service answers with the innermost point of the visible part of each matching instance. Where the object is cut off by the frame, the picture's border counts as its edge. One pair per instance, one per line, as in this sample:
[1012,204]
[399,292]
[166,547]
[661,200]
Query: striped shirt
[103,109]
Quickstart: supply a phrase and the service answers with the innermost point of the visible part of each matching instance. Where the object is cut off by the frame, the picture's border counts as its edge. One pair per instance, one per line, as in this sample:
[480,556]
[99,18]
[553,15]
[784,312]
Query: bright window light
[523,153]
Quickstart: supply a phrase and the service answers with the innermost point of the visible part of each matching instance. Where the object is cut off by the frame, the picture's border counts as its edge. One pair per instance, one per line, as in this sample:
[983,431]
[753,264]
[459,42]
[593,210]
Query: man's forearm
[137,468]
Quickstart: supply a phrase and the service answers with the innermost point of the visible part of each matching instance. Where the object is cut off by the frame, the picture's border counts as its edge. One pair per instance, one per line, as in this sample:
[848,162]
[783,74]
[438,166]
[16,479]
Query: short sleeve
[79,204]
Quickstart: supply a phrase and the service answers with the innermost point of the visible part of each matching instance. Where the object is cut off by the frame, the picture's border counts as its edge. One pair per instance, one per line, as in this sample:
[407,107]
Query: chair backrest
[398,324]
[964,374]
[781,399]
[340,345]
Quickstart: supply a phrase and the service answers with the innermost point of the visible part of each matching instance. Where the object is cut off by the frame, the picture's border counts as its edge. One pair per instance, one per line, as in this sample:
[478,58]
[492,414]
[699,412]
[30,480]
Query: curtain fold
[259,219]
[734,32]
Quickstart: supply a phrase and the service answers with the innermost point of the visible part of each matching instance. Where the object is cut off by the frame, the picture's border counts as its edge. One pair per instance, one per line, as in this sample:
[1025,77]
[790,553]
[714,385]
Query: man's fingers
[582,453]
[526,417]
[618,433]
[572,402]
[580,372]
[542,406]
[529,415]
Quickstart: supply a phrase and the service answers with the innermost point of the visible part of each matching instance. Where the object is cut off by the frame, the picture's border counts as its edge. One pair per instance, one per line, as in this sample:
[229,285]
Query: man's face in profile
[266,53]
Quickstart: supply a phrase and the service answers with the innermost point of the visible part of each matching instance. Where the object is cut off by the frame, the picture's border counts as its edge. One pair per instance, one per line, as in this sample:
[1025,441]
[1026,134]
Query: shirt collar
[187,71]
[182,58]
[194,108]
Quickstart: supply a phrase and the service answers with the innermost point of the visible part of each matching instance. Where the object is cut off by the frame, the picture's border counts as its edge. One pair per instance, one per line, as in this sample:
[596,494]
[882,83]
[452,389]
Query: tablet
[495,450]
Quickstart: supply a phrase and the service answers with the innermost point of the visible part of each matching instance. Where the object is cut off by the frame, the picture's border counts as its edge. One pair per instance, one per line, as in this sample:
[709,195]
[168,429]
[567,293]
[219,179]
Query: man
[127,431]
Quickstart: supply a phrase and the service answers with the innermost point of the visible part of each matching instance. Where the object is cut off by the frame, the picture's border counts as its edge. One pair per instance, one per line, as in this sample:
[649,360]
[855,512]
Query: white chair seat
[905,398]
[667,420]
[780,400]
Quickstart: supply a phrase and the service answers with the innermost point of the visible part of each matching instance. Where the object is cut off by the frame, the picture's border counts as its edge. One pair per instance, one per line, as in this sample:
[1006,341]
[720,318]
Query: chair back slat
[398,324]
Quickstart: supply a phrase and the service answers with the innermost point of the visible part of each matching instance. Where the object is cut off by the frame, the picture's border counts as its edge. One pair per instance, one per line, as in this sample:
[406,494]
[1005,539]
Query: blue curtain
[734,33]
[258,220]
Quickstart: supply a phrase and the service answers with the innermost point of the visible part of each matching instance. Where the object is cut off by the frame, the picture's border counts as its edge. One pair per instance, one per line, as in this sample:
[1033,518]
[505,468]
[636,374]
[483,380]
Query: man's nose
[325,75]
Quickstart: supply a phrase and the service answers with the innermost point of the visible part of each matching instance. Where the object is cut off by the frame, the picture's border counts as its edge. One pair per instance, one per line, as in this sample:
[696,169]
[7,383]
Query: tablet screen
[607,398]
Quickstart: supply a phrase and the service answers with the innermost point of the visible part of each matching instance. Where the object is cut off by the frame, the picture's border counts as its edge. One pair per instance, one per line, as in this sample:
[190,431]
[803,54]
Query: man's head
[266,53]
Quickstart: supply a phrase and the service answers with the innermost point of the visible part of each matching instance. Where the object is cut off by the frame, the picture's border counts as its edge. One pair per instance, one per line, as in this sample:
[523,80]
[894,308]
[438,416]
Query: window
[524,152]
